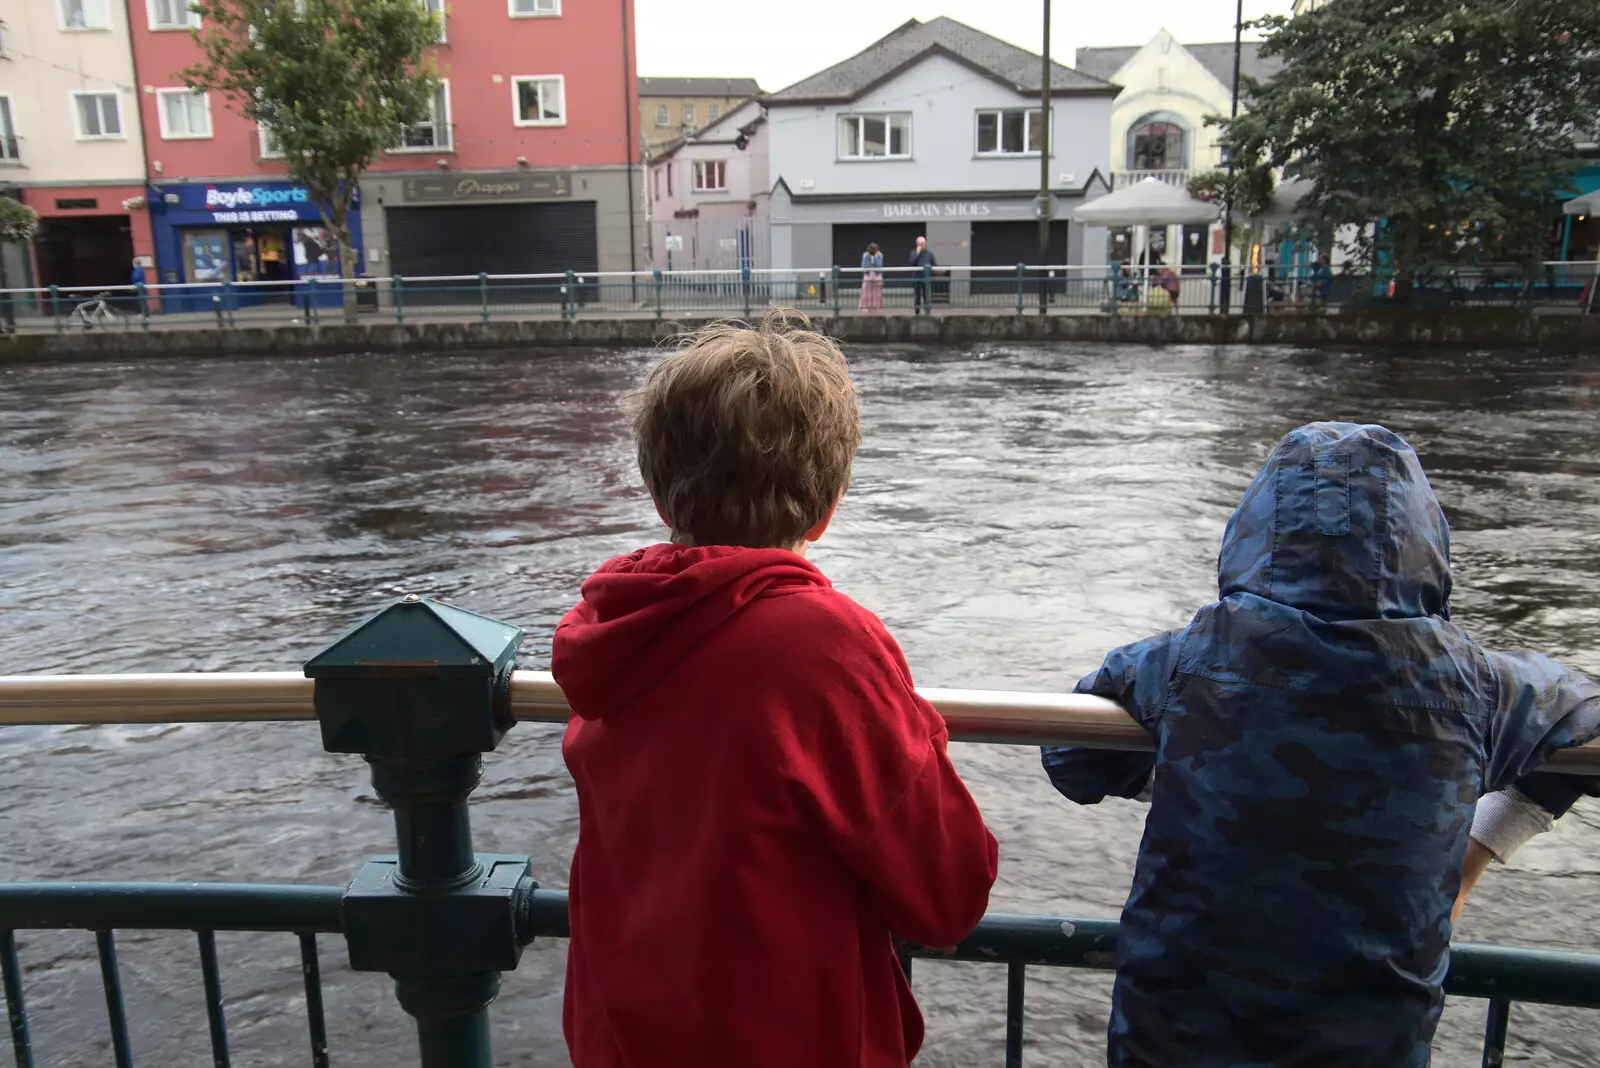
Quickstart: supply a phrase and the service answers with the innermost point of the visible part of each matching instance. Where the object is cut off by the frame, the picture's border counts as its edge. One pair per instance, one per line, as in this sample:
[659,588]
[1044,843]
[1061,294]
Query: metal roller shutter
[493,239]
[1006,244]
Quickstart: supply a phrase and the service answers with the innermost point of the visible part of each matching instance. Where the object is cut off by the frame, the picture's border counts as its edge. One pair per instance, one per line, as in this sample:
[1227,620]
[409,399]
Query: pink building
[528,165]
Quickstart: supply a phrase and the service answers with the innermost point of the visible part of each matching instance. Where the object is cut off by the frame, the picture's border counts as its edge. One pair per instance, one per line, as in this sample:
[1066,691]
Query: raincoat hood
[642,613]
[1341,523]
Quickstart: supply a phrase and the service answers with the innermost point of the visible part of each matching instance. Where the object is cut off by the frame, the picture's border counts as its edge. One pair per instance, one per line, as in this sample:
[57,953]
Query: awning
[1588,204]
[1151,202]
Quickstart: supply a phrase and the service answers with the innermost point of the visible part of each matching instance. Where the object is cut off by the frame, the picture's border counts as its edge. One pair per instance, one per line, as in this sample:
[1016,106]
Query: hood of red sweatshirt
[642,613]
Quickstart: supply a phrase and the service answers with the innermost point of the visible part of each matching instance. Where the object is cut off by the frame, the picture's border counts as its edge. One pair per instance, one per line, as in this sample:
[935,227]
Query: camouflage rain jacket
[1323,734]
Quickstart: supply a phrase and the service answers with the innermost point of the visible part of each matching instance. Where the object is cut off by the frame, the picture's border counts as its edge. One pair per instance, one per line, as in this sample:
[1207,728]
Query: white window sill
[712,192]
[426,150]
[86,29]
[1005,155]
[102,137]
[187,137]
[876,159]
[171,29]
[12,163]
[526,124]
[537,15]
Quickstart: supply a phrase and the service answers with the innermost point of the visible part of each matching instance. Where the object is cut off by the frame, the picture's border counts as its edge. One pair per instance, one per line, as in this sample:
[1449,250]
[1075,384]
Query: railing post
[229,299]
[1495,1032]
[421,690]
[55,307]
[398,286]
[1022,277]
[837,303]
[483,295]
[144,305]
[311,300]
[571,308]
[657,273]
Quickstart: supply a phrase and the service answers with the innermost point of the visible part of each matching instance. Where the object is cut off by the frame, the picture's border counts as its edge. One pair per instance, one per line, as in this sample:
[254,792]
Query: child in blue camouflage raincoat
[1323,734]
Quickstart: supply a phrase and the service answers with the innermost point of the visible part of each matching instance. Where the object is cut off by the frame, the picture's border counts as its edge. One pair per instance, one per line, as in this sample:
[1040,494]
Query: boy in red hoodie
[764,803]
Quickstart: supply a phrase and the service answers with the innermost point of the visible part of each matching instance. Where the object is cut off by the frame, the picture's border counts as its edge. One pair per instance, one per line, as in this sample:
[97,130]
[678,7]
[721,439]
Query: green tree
[332,80]
[1451,121]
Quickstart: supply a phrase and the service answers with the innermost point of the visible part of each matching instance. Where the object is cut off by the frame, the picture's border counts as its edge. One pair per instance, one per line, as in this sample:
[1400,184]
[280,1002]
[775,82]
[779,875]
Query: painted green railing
[422,690]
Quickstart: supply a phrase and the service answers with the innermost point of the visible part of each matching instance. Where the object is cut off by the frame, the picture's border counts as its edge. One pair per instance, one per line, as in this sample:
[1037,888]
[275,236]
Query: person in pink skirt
[872,278]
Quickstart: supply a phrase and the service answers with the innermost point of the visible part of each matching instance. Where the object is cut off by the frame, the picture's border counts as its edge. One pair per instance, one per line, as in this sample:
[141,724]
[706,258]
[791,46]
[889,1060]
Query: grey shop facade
[518,222]
[995,229]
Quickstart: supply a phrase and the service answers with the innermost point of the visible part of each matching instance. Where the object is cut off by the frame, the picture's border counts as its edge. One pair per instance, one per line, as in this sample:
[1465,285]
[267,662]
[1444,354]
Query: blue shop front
[248,243]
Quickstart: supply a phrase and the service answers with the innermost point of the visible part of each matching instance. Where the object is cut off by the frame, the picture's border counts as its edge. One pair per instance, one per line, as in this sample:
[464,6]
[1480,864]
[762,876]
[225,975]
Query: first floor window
[1016,132]
[875,136]
[99,115]
[184,114]
[688,116]
[271,147]
[86,14]
[710,175]
[435,131]
[1157,143]
[663,115]
[172,15]
[540,101]
[8,133]
[530,8]
[713,113]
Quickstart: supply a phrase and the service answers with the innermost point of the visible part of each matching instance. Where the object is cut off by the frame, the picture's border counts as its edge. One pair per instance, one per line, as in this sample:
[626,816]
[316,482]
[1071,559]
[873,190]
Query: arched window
[1158,142]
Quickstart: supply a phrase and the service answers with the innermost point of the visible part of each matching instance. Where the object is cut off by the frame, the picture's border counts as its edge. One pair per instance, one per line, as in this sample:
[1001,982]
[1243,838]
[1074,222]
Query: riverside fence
[423,690]
[1021,289]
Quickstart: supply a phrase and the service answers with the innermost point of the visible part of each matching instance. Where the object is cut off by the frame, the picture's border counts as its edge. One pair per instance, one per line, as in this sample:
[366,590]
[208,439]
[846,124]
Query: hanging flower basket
[18,222]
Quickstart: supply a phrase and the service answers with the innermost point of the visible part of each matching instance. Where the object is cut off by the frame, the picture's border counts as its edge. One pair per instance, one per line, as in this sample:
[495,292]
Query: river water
[1016,511]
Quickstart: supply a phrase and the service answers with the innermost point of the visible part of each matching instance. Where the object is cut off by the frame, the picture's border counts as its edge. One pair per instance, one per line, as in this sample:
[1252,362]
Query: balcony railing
[422,690]
[1122,179]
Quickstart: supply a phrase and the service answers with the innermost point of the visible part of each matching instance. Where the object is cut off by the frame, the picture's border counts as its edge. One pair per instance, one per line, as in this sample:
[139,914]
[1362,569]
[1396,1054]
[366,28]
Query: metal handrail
[1011,717]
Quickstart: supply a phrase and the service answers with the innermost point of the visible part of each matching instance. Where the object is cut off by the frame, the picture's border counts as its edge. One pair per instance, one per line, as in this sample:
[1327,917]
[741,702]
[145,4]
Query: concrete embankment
[1467,328]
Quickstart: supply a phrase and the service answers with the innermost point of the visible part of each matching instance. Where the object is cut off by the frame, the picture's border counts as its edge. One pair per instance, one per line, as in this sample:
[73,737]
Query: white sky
[779,43]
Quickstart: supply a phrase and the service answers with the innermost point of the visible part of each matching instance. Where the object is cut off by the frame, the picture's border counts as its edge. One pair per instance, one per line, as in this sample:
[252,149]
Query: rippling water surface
[1016,511]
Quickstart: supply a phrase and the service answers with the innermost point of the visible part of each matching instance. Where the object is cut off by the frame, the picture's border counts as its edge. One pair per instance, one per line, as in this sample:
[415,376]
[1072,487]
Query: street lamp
[1227,219]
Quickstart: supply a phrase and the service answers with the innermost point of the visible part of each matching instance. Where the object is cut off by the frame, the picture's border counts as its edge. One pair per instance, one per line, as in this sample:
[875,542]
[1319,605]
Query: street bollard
[421,690]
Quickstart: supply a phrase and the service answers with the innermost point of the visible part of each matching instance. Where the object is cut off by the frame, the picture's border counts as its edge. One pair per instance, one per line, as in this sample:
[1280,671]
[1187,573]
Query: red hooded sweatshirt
[762,801]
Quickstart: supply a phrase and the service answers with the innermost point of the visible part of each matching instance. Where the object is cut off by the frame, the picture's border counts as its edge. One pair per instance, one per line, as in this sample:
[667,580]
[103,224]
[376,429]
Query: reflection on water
[1016,511]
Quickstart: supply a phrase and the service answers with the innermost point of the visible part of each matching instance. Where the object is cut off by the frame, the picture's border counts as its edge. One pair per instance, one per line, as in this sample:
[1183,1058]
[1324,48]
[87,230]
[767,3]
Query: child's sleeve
[1541,707]
[1138,677]
[894,808]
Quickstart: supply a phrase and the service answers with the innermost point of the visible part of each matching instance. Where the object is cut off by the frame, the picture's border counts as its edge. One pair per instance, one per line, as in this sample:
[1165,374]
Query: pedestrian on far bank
[922,286]
[137,280]
[1321,283]
[872,278]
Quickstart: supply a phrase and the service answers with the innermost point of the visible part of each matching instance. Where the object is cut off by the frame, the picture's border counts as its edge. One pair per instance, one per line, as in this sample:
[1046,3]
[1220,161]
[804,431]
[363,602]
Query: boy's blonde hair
[746,434]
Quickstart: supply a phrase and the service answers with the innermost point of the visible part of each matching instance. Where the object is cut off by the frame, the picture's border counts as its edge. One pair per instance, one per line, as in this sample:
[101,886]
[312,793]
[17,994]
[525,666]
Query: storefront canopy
[1151,202]
[1588,204]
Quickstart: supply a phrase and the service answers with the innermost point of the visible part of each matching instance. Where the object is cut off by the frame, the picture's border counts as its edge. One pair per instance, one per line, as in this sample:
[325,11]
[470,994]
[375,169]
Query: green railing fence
[1021,289]
[422,690]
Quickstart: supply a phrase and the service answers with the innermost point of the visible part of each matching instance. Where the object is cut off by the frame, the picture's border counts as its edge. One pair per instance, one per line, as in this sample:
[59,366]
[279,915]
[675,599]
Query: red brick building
[528,165]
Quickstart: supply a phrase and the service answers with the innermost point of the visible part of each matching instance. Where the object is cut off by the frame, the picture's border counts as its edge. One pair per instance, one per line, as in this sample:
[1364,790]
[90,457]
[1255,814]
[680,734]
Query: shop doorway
[84,252]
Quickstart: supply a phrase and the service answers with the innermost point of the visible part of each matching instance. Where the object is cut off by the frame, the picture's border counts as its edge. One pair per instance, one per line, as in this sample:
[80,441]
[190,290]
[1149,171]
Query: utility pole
[1227,219]
[1044,166]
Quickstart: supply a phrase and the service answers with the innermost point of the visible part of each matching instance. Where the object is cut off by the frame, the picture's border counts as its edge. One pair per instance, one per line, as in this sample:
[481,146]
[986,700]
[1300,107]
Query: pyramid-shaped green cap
[419,636]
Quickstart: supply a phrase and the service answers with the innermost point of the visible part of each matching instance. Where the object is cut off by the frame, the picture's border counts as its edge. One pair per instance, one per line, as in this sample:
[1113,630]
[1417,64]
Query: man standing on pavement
[922,286]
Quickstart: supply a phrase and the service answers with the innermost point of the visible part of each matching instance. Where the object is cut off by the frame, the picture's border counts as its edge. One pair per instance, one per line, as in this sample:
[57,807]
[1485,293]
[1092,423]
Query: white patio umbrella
[1151,202]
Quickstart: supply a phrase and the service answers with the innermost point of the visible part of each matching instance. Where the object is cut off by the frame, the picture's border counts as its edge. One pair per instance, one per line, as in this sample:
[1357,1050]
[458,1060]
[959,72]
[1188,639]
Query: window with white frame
[435,132]
[271,147]
[886,136]
[713,112]
[655,183]
[539,100]
[85,14]
[530,9]
[99,116]
[436,8]
[1012,132]
[185,116]
[688,116]
[8,134]
[710,176]
[663,115]
[171,15]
